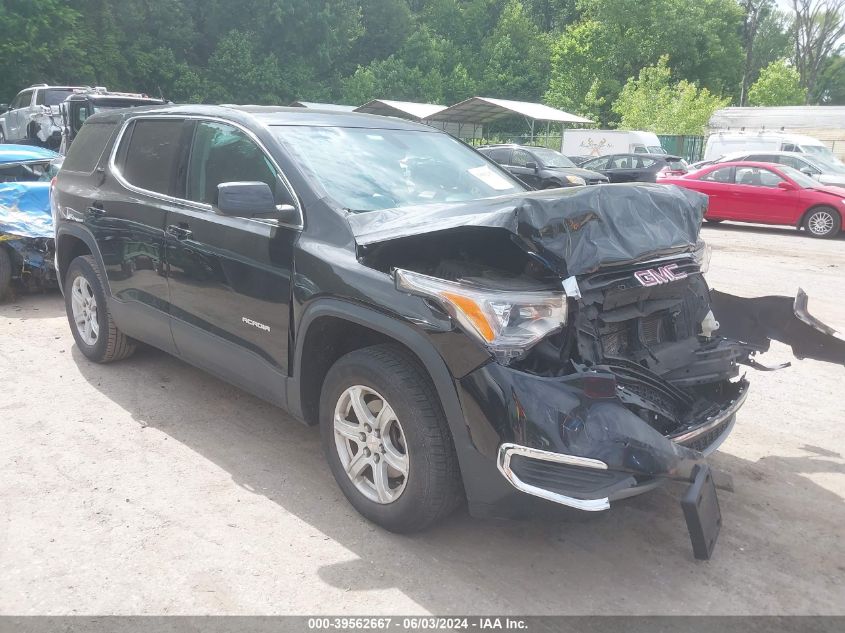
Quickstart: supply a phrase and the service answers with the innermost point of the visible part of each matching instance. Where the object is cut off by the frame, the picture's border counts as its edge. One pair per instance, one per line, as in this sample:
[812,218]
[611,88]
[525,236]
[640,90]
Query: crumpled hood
[25,209]
[576,231]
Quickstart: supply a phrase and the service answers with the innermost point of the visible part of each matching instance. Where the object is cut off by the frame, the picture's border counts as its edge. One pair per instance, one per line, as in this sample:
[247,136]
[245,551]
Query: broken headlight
[507,323]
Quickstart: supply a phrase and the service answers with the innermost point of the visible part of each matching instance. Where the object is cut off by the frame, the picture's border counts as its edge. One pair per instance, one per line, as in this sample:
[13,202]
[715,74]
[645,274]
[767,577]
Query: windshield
[551,158]
[42,171]
[365,169]
[802,180]
[827,165]
[821,152]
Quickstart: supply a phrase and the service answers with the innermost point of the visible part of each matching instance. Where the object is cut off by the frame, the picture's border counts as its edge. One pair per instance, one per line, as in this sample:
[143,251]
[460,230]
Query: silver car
[826,172]
[34,117]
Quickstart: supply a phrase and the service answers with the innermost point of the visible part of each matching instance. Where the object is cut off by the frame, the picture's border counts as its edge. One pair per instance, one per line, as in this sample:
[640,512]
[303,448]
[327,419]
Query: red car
[767,193]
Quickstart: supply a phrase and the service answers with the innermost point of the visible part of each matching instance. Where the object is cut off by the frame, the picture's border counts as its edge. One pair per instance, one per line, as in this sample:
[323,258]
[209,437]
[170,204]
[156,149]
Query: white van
[722,143]
[601,142]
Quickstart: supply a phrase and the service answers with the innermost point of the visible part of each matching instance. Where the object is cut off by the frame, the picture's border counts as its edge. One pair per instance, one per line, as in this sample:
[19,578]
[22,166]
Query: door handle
[179,232]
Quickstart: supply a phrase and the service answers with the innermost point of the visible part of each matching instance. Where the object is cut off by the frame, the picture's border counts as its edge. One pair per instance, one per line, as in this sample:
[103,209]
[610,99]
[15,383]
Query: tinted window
[501,154]
[87,147]
[648,162]
[677,164]
[723,175]
[551,158]
[596,163]
[797,163]
[763,158]
[520,158]
[757,177]
[151,149]
[54,97]
[223,153]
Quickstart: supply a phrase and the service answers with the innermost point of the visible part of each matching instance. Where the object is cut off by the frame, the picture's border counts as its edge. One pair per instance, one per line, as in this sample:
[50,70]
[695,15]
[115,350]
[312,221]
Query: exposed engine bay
[648,325]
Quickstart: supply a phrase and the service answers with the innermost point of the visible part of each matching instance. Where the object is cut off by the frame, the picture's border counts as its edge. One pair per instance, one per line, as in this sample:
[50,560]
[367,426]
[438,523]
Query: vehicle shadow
[40,305]
[779,526]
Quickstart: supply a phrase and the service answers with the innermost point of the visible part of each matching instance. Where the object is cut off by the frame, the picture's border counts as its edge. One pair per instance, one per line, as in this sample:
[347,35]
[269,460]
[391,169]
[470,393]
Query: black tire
[823,222]
[709,221]
[5,273]
[111,344]
[433,487]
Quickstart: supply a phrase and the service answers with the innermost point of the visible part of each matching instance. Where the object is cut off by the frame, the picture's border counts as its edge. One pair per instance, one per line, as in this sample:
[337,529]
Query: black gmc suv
[454,335]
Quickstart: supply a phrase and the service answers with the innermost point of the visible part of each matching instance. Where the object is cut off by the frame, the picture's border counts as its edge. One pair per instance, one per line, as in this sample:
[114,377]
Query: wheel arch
[820,205]
[72,242]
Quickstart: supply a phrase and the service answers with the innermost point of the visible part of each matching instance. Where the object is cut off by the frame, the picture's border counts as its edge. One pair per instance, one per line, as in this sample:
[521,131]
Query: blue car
[26,223]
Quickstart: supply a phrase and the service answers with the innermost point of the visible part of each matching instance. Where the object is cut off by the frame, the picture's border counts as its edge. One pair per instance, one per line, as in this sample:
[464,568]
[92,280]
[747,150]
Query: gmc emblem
[661,275]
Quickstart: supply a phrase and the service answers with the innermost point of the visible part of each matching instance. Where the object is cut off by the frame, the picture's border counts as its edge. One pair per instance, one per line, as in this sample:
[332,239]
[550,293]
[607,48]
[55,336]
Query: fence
[690,148]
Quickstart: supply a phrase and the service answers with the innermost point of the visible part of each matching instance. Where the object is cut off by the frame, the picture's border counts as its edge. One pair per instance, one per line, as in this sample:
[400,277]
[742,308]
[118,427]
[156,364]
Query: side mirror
[531,166]
[245,199]
[786,186]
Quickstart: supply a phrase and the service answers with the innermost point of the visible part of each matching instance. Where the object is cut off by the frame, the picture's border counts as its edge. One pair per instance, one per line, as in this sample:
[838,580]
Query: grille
[615,340]
[701,442]
[563,478]
[652,330]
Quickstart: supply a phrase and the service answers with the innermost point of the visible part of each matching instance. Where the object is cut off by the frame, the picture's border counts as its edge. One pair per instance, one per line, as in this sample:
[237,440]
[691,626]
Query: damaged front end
[612,367]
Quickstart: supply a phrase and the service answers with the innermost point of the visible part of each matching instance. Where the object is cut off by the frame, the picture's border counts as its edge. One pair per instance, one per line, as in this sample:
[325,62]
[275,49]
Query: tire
[99,339]
[823,222]
[709,221]
[432,487]
[5,273]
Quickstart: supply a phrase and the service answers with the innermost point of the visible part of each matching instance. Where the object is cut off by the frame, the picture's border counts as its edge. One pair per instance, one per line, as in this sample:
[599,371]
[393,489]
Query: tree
[779,84]
[830,89]
[652,102]
[819,27]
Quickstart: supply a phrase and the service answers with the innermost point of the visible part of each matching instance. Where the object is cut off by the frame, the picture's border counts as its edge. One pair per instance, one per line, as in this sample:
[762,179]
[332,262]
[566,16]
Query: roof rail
[37,86]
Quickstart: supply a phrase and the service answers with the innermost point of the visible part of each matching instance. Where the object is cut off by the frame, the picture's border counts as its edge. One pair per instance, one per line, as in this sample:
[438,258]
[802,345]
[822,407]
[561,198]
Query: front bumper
[549,439]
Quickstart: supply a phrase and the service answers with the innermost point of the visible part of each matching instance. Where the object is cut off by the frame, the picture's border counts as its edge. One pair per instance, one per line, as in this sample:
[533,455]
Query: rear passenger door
[230,277]
[126,215]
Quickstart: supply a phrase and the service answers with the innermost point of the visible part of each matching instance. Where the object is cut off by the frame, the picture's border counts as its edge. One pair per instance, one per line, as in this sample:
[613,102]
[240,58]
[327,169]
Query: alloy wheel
[84,306]
[820,223]
[371,444]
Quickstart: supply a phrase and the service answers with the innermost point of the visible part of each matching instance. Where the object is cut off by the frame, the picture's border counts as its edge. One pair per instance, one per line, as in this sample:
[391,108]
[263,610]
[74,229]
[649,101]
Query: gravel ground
[149,487]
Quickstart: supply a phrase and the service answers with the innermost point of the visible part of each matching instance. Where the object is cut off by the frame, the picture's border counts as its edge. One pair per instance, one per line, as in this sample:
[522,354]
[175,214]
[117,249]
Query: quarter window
[223,153]
[151,150]
[521,158]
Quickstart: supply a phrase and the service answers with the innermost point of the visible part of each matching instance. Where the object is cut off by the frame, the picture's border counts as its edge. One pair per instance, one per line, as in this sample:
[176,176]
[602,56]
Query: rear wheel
[387,441]
[5,273]
[88,314]
[823,222]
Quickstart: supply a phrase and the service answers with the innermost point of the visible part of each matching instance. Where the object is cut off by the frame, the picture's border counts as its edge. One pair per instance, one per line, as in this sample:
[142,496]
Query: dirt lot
[149,487]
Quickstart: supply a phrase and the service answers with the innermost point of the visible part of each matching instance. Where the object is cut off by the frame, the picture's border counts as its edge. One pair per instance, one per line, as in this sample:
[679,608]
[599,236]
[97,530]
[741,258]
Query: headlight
[703,252]
[507,323]
[576,180]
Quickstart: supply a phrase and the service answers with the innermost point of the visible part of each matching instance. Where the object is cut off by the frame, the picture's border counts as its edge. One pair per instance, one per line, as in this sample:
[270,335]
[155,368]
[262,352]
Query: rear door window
[757,177]
[150,151]
[501,155]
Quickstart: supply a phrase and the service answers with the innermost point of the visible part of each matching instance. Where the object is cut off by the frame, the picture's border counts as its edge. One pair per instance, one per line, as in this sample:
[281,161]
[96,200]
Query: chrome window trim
[508,450]
[201,205]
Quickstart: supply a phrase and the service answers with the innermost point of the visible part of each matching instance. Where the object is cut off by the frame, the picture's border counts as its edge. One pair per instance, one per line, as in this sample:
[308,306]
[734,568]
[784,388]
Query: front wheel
[823,222]
[387,441]
[90,321]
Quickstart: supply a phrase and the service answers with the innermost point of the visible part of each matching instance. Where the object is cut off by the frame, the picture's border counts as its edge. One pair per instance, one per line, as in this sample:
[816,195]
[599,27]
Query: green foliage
[574,54]
[652,102]
[779,84]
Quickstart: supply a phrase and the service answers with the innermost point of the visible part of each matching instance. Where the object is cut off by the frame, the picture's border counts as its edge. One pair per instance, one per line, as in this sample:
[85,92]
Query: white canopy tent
[401,109]
[322,106]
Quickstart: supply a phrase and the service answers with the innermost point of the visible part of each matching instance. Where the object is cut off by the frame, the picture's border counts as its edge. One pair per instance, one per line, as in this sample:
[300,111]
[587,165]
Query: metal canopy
[401,109]
[486,110]
[322,106]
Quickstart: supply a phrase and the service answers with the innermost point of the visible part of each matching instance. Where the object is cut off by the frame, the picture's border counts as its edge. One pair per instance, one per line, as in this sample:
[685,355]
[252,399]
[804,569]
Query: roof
[24,153]
[401,109]
[775,118]
[322,106]
[265,115]
[487,110]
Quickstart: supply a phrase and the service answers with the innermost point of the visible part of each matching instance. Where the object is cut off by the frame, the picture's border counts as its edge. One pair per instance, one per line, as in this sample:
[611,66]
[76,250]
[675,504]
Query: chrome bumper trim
[732,408]
[507,450]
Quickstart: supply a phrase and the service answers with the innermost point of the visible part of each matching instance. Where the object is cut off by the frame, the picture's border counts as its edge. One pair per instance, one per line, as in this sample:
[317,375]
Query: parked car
[80,105]
[723,143]
[637,167]
[604,142]
[33,116]
[385,281]
[26,224]
[541,168]
[825,173]
[766,193]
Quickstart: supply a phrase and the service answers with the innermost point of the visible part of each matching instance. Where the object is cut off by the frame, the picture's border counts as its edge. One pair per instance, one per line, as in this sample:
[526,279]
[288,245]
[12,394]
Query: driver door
[230,277]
